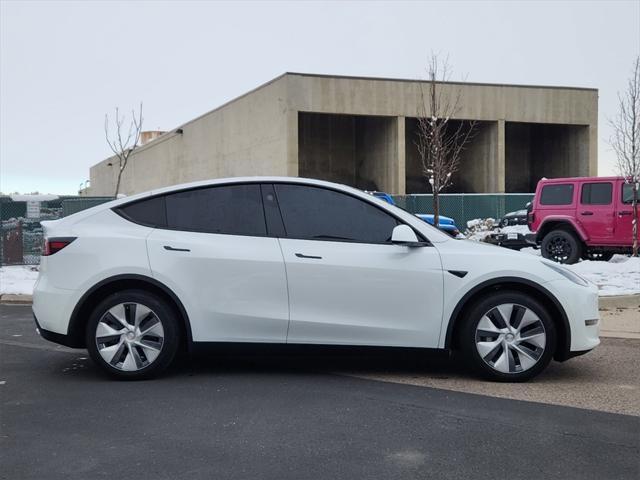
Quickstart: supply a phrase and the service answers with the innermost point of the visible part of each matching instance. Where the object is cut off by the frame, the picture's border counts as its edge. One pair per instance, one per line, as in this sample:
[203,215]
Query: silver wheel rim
[129,336]
[510,338]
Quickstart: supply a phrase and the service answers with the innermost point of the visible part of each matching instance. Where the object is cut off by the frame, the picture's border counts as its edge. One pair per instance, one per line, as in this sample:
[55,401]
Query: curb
[620,302]
[11,299]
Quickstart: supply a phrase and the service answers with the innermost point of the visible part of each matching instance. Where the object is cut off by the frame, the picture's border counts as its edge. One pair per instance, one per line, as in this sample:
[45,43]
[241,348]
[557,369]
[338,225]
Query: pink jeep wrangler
[583,217]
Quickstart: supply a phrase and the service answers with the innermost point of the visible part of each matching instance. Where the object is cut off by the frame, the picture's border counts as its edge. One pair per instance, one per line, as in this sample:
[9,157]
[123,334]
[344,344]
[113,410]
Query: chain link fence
[463,207]
[21,230]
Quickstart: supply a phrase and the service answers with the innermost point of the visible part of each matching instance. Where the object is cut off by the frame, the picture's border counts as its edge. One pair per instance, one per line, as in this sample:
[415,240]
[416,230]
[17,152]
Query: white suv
[295,261]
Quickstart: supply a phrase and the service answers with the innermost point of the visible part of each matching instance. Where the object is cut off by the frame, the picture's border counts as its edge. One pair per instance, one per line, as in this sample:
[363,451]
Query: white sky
[63,65]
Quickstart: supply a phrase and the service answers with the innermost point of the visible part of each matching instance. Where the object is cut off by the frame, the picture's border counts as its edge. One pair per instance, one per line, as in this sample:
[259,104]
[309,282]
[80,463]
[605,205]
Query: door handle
[300,255]
[586,213]
[621,214]
[172,249]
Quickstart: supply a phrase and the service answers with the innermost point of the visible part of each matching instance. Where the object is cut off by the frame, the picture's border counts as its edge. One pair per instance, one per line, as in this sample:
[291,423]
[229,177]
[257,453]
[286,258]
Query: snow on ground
[18,279]
[619,276]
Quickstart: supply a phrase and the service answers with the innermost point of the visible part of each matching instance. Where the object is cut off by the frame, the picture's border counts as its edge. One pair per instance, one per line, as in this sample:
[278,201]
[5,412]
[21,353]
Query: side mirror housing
[404,235]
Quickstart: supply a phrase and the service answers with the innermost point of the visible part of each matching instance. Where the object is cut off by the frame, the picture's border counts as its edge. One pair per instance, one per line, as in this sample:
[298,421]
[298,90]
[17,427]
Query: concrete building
[361,131]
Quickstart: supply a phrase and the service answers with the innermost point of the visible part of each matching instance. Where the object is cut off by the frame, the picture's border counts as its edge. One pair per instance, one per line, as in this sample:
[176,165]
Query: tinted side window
[627,193]
[596,193]
[318,213]
[557,194]
[150,212]
[228,209]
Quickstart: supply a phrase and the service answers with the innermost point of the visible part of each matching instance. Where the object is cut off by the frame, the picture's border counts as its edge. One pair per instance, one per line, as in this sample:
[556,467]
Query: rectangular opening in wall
[537,150]
[355,150]
[477,169]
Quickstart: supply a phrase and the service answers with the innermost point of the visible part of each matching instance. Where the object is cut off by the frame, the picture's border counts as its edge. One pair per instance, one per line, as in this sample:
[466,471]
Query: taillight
[55,244]
[531,218]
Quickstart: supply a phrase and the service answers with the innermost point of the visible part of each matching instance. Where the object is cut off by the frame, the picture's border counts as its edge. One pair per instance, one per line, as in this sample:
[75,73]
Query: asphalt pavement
[280,417]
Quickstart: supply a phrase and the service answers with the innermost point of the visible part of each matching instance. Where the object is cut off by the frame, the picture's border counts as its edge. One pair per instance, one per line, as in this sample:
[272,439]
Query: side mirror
[404,235]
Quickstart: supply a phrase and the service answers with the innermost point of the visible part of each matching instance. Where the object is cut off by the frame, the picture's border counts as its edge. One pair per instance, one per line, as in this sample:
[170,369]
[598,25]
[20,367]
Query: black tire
[468,336]
[168,346]
[598,256]
[561,246]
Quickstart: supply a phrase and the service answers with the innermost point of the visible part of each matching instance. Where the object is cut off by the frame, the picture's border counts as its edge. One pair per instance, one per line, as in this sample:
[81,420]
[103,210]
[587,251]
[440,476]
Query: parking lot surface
[284,417]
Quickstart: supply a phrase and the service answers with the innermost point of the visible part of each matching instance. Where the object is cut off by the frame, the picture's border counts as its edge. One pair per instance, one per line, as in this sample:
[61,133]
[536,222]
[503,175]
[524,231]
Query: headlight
[568,274]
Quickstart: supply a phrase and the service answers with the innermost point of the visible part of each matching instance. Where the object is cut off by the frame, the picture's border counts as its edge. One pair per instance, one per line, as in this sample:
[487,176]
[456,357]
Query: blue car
[446,224]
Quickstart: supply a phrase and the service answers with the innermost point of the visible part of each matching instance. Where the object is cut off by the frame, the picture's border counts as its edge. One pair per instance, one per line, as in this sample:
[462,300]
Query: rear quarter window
[561,194]
[150,212]
[627,193]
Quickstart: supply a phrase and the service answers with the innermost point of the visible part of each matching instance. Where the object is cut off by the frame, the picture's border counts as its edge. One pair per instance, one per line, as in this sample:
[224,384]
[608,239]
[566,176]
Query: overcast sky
[64,64]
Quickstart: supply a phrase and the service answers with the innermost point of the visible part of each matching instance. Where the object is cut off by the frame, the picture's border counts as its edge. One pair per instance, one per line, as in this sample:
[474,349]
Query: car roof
[231,180]
[579,179]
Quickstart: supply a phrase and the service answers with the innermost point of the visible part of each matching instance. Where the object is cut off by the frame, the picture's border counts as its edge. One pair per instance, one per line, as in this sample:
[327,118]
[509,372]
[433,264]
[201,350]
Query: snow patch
[618,276]
[18,279]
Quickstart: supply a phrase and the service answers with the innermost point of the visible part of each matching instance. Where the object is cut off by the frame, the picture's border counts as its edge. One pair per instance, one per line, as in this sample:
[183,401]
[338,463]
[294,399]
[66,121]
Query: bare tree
[123,144]
[440,141]
[625,141]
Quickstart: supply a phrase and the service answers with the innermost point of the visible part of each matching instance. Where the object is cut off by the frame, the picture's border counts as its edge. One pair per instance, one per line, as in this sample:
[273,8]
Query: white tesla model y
[296,261]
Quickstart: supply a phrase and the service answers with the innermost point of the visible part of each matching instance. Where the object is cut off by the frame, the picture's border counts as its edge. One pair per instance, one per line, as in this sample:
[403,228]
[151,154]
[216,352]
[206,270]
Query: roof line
[350,77]
[171,133]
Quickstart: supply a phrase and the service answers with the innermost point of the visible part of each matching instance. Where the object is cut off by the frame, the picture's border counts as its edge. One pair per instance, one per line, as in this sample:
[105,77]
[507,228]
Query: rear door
[347,283]
[216,255]
[596,211]
[624,214]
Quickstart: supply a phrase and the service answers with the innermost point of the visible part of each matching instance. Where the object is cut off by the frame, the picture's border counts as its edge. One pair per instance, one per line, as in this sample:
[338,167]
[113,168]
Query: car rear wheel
[508,337]
[133,335]
[561,246]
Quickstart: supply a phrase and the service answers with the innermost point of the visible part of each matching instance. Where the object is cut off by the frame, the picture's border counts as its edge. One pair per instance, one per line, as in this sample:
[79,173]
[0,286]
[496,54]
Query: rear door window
[596,193]
[561,194]
[226,209]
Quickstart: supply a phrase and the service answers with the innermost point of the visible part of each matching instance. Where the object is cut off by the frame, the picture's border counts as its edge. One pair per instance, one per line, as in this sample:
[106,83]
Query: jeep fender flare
[562,219]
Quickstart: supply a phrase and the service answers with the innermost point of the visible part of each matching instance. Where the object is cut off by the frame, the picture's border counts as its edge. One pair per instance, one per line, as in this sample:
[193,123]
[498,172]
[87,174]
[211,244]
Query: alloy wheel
[129,336]
[510,338]
[559,249]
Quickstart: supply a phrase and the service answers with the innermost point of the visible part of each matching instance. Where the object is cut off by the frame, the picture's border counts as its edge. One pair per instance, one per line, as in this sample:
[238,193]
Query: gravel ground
[606,379]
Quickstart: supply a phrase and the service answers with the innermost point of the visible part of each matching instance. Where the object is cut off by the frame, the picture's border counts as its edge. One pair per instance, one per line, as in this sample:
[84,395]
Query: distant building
[361,132]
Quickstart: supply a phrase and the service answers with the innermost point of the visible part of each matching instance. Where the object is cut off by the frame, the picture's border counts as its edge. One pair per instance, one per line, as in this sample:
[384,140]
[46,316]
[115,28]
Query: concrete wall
[367,139]
[245,137]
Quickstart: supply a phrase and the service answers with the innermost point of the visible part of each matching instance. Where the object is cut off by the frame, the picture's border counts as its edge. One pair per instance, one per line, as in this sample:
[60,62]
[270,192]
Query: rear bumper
[52,309]
[54,337]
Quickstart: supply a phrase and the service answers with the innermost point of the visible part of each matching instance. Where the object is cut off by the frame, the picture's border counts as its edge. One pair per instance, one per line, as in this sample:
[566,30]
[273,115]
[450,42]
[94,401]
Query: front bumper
[581,307]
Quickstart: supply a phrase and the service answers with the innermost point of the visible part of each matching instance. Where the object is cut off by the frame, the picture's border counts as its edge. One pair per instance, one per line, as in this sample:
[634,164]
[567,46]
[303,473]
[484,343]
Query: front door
[347,283]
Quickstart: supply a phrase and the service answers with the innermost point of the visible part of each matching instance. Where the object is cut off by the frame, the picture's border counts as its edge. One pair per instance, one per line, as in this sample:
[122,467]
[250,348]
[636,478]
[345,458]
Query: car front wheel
[132,335]
[508,337]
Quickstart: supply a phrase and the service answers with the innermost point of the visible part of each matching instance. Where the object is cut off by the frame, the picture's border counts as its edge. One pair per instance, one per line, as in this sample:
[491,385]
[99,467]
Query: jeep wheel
[561,246]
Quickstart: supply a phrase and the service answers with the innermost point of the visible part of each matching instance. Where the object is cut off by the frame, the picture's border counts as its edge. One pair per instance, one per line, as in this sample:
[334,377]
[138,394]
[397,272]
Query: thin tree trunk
[634,227]
[436,208]
[118,183]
